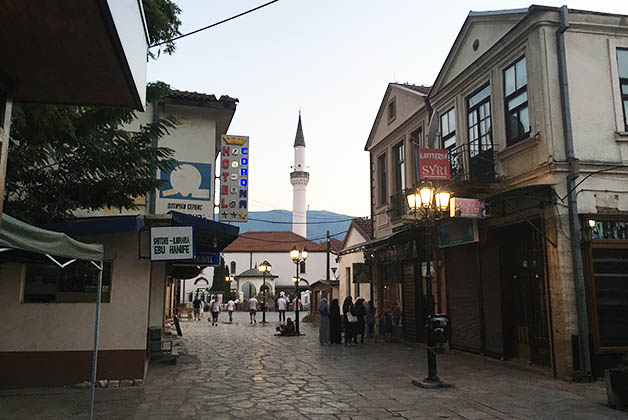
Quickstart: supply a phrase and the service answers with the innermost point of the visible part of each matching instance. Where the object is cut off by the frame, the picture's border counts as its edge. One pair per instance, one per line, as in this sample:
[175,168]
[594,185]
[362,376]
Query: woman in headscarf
[323,331]
[335,321]
[349,319]
[360,312]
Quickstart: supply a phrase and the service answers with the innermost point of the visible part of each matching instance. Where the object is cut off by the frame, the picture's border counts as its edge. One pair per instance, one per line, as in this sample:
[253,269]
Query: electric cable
[290,242]
[213,24]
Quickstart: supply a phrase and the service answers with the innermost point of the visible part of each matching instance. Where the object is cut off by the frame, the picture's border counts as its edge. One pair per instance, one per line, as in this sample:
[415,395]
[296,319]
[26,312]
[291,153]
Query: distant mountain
[319,222]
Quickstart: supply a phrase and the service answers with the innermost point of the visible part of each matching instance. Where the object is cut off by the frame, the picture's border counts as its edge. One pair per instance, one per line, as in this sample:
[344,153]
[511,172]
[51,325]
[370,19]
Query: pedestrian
[335,323]
[282,306]
[388,327]
[197,303]
[323,329]
[214,308]
[230,307]
[287,329]
[370,320]
[349,319]
[359,311]
[253,309]
[296,301]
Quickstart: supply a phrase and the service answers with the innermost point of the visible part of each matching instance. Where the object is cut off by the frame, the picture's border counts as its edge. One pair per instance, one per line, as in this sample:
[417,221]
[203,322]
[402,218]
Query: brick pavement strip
[241,371]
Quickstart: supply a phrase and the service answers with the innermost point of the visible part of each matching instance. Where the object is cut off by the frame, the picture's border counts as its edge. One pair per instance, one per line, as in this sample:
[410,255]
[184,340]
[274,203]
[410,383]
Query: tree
[64,158]
[220,284]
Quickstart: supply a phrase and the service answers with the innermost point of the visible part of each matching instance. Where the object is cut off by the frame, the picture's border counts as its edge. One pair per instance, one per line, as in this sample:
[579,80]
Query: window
[622,64]
[416,137]
[381,168]
[348,280]
[356,290]
[78,282]
[392,110]
[400,166]
[479,122]
[302,267]
[233,267]
[448,129]
[516,101]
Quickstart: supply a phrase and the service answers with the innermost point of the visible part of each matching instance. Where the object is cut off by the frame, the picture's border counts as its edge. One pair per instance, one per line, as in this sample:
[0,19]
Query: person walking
[253,309]
[230,307]
[335,322]
[282,306]
[323,330]
[359,310]
[197,304]
[296,301]
[370,320]
[349,319]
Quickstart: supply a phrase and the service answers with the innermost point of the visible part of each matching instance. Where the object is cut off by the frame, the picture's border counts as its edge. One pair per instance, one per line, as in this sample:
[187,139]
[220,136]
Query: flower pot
[617,388]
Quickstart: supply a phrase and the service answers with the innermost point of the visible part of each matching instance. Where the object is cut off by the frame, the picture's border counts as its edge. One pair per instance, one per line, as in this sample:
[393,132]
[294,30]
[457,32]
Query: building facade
[530,105]
[351,258]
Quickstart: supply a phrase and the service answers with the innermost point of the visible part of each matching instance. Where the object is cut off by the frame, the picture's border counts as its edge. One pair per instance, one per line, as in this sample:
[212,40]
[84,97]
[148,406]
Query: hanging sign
[207,258]
[467,207]
[171,243]
[457,232]
[433,164]
[234,179]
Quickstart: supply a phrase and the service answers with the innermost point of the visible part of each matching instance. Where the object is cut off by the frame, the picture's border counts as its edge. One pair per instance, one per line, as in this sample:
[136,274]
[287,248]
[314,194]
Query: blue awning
[99,225]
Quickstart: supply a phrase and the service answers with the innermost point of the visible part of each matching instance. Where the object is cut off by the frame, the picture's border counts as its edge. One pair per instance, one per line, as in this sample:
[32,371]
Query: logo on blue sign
[190,181]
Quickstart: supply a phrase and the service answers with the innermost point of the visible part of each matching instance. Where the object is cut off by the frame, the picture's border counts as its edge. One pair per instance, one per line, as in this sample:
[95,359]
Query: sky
[331,59]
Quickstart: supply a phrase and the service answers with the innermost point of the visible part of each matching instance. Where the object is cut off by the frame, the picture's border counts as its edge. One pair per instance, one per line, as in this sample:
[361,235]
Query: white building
[352,252]
[253,248]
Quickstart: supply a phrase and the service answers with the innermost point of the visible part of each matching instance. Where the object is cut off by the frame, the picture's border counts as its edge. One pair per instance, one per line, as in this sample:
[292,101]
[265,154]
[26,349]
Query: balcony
[399,204]
[468,163]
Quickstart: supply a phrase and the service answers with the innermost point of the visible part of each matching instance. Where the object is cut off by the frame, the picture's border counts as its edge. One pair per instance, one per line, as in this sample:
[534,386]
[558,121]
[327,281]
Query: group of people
[358,320]
[214,306]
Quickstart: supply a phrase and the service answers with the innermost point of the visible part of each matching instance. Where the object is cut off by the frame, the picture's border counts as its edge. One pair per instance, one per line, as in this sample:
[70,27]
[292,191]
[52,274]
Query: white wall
[283,265]
[346,261]
[70,326]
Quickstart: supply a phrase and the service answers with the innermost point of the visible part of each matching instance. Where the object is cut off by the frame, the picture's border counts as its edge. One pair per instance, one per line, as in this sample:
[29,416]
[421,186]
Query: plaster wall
[70,326]
[157,294]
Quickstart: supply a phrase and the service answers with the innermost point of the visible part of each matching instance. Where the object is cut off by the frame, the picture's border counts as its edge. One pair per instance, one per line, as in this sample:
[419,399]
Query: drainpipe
[574,221]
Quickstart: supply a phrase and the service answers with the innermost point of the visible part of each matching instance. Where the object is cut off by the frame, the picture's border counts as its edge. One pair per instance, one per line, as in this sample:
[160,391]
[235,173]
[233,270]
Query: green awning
[16,234]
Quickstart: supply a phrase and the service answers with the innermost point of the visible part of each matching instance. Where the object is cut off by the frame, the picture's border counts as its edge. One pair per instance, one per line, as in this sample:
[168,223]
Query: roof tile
[272,241]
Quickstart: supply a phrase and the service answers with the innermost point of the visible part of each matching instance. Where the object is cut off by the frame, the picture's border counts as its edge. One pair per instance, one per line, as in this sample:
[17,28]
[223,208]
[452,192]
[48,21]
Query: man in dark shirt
[197,303]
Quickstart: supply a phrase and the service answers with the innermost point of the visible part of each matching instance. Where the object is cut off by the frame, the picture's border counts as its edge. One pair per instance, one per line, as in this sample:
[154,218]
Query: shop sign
[433,164]
[207,258]
[187,189]
[361,273]
[234,178]
[171,243]
[467,207]
[458,232]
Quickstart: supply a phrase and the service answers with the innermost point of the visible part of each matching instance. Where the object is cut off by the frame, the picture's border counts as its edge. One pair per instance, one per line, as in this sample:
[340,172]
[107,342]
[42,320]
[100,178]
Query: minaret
[299,179]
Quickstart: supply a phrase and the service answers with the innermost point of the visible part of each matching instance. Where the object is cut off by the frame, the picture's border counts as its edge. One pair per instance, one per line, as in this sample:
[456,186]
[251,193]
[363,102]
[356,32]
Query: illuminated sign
[187,189]
[234,179]
[467,207]
[433,164]
[457,232]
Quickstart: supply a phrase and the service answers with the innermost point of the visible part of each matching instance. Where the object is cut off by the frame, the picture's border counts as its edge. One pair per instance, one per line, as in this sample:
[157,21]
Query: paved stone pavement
[242,371]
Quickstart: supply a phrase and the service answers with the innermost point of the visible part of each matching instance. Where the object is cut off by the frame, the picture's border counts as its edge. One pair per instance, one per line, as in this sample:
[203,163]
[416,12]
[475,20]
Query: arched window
[232,269]
[302,267]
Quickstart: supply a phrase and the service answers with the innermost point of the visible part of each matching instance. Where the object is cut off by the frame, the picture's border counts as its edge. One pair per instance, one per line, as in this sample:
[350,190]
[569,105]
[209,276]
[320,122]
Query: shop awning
[15,234]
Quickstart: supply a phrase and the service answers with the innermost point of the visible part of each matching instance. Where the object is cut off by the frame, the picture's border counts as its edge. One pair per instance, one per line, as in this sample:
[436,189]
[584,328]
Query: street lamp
[229,279]
[429,204]
[298,257]
[264,268]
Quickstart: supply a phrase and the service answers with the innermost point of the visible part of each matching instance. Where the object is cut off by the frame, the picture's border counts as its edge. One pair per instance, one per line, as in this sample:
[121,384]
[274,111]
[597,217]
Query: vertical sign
[433,164]
[234,179]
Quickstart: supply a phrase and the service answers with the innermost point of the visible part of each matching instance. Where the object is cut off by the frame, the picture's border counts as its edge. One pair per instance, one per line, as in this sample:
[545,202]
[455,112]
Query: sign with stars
[234,179]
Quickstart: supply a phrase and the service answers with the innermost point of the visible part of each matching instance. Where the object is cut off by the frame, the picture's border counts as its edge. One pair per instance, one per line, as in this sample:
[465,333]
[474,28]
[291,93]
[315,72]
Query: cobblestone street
[242,371]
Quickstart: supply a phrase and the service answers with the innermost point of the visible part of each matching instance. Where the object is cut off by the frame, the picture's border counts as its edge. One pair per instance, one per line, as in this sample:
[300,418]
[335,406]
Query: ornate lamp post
[298,257]
[429,204]
[264,268]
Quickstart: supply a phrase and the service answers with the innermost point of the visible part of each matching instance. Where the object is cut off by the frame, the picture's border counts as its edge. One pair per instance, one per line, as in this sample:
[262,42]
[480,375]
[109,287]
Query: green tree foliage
[64,158]
[163,24]
[220,284]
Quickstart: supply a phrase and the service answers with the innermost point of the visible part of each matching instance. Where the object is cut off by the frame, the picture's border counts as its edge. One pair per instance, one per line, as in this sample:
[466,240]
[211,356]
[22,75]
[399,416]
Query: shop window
[622,65]
[516,101]
[78,282]
[610,296]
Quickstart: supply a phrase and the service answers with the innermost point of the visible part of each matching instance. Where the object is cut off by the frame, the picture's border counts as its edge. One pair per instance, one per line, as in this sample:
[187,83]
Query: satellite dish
[434,131]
